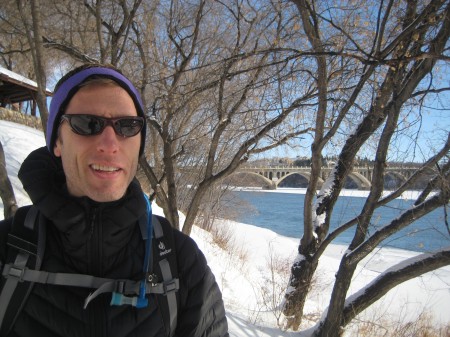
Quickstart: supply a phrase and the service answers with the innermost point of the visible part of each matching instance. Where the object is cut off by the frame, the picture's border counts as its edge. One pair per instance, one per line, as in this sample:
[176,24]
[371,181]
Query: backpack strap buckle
[171,286]
[14,271]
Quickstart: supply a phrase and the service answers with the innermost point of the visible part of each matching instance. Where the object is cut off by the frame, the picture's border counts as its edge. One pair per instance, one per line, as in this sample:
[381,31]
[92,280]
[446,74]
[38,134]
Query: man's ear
[57,148]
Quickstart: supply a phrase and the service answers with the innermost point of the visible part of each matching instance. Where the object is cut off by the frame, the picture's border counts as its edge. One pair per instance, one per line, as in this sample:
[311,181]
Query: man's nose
[108,140]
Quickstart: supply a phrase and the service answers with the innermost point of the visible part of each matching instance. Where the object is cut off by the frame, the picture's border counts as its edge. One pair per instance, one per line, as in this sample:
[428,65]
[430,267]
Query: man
[83,186]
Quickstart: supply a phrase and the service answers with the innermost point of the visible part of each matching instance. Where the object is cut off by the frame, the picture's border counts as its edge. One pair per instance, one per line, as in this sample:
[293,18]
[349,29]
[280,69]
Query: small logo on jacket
[163,250]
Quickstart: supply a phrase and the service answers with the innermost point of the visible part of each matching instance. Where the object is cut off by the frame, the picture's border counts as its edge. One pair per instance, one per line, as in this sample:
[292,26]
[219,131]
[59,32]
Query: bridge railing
[356,168]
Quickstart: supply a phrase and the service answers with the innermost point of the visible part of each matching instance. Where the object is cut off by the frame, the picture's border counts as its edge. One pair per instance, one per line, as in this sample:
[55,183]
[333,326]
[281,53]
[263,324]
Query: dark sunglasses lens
[86,125]
[128,127]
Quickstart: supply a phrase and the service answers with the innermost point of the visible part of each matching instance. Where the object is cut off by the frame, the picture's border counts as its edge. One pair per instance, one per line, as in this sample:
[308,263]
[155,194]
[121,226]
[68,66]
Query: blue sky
[416,146]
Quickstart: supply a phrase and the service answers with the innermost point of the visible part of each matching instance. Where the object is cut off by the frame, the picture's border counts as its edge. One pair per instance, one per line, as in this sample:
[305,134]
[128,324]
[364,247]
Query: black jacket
[104,240]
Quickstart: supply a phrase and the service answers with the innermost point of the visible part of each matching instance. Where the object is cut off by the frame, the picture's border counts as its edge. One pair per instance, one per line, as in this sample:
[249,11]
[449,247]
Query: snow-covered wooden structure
[16,89]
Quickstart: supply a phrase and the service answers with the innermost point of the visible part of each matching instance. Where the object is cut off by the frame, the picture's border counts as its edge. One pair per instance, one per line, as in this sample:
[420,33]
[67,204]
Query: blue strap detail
[140,301]
[135,301]
[148,251]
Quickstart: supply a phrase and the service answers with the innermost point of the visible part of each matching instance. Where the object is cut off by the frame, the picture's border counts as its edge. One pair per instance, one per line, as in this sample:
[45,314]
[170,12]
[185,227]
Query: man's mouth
[104,168]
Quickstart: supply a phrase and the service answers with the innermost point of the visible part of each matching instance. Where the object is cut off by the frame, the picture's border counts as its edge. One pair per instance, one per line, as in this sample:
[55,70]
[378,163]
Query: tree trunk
[6,189]
[300,282]
[41,77]
[303,271]
[160,194]
[34,35]
[169,169]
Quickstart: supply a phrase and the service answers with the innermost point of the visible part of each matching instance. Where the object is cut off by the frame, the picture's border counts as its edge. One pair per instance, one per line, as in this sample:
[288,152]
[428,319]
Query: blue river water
[282,213]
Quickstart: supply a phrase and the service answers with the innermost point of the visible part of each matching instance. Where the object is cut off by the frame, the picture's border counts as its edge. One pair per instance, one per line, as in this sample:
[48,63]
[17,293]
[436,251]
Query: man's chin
[106,196]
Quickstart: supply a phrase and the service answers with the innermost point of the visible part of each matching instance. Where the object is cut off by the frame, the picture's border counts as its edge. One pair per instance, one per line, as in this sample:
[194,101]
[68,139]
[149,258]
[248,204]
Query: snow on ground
[244,270]
[344,192]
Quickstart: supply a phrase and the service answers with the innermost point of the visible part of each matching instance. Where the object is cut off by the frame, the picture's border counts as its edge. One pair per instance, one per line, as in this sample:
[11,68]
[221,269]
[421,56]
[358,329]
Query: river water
[282,213]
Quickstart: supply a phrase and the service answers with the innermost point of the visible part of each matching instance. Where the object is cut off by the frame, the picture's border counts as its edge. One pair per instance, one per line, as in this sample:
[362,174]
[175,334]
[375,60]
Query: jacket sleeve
[202,312]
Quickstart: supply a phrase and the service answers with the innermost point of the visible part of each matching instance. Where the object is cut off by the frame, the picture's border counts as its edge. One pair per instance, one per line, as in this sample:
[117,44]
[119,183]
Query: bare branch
[391,278]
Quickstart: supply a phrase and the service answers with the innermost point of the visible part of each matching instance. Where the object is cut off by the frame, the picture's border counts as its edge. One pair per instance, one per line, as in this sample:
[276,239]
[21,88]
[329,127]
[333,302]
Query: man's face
[102,166]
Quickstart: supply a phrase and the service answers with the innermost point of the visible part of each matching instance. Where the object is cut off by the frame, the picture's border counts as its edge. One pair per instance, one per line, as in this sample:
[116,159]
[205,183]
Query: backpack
[26,242]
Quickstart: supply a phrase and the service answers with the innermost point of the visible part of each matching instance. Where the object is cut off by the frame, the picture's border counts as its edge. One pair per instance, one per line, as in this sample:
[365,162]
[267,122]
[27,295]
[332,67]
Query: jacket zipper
[91,253]
[95,268]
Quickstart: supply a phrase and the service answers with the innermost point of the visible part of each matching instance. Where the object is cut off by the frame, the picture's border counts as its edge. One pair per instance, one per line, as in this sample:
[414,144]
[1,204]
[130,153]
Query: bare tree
[34,35]
[14,47]
[113,44]
[14,50]
[402,54]
[213,102]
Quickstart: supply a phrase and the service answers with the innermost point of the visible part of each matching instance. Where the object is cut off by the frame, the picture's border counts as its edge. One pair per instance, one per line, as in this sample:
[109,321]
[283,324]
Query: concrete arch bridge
[359,178]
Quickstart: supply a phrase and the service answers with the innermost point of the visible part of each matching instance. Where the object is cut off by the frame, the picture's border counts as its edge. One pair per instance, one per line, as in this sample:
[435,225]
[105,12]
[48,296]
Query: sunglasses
[91,125]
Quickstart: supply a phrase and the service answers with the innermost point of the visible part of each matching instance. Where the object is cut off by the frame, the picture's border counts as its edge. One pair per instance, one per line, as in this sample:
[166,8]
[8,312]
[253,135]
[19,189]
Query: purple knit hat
[70,86]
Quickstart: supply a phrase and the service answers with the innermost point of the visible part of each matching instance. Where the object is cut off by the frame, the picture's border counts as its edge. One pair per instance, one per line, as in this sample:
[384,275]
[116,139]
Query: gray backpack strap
[11,284]
[102,285]
[26,242]
[171,284]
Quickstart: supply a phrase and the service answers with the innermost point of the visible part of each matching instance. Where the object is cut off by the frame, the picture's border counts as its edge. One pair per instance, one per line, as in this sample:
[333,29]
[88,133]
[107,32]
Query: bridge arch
[265,182]
[361,181]
[393,179]
[305,175]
